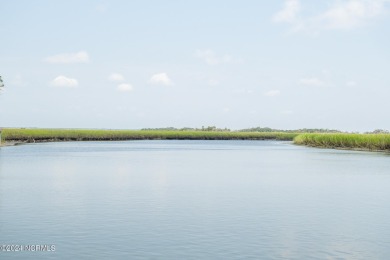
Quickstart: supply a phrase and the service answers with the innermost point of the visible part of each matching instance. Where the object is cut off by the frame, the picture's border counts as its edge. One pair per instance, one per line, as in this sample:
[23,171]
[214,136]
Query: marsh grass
[373,142]
[42,135]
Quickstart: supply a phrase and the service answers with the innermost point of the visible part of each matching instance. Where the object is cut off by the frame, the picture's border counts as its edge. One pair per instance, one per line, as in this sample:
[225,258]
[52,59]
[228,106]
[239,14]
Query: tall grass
[329,140]
[346,141]
[41,135]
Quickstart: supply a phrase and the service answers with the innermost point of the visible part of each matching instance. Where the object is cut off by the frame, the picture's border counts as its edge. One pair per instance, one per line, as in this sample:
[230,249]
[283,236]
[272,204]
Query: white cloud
[311,82]
[272,93]
[78,57]
[62,81]
[161,79]
[289,12]
[211,58]
[343,14]
[352,13]
[116,77]
[124,87]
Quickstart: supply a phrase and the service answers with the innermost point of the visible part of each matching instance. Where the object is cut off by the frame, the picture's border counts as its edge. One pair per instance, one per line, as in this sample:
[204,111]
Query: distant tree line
[207,128]
[253,129]
[1,83]
[303,130]
[378,131]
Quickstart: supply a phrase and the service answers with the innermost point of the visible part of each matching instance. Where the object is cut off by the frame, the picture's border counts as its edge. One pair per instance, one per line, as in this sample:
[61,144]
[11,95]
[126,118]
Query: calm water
[194,200]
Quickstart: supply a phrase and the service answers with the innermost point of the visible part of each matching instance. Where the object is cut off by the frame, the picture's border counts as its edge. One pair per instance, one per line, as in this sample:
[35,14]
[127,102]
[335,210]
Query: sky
[284,64]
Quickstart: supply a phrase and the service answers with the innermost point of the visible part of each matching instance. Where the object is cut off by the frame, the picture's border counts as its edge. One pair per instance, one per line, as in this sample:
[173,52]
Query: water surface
[194,200]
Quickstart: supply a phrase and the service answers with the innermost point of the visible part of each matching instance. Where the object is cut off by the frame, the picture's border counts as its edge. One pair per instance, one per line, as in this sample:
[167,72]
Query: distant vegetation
[207,129]
[378,131]
[1,83]
[303,130]
[373,142]
[253,129]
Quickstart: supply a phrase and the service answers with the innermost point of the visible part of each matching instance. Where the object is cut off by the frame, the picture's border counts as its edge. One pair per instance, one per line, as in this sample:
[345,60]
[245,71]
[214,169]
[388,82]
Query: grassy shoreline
[50,135]
[361,142]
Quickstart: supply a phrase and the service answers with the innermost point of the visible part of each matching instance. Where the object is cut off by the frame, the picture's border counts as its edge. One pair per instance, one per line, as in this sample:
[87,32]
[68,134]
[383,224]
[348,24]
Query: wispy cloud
[350,14]
[342,15]
[272,93]
[161,79]
[311,82]
[78,57]
[62,81]
[124,87]
[289,12]
[116,77]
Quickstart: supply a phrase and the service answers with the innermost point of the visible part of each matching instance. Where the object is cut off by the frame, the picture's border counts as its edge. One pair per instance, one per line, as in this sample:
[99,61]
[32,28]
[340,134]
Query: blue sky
[137,64]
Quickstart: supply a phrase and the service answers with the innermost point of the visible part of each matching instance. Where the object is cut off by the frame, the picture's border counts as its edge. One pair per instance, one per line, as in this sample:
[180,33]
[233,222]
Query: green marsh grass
[42,135]
[373,142]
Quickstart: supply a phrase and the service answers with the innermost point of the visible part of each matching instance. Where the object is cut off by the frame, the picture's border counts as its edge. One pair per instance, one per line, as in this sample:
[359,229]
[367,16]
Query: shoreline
[50,135]
[356,149]
[11,143]
[340,141]
[344,141]
[21,142]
